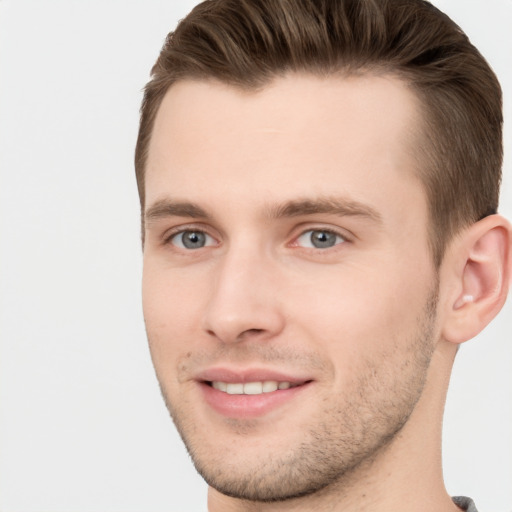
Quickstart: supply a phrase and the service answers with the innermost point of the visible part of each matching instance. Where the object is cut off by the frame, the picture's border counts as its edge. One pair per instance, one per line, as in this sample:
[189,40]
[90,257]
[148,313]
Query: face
[289,294]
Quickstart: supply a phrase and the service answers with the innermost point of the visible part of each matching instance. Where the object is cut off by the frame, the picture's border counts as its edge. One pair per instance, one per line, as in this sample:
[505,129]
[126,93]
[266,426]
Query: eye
[319,239]
[191,239]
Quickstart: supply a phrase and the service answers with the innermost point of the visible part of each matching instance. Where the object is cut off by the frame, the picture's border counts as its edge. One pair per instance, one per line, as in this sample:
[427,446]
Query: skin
[368,321]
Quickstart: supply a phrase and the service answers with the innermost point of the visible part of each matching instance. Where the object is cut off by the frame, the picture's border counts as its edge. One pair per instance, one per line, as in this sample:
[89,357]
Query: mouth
[250,394]
[252,388]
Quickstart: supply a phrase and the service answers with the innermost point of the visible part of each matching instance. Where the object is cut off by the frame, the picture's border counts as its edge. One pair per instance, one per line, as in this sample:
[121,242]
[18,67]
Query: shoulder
[464,503]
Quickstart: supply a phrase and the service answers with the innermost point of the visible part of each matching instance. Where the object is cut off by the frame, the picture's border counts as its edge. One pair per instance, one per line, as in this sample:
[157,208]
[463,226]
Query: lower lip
[249,406]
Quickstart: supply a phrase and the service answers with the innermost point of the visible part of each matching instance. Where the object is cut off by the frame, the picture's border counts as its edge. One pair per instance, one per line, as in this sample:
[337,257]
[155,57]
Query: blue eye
[319,239]
[192,239]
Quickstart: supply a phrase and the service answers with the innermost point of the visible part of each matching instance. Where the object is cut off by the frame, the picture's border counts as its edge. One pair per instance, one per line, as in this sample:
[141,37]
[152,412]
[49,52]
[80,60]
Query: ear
[478,270]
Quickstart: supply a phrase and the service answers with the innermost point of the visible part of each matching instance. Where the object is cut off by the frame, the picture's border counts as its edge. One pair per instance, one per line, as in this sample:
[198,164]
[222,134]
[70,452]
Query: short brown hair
[247,43]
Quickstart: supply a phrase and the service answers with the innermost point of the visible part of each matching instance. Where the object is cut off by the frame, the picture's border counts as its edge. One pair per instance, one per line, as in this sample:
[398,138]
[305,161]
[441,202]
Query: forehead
[348,135]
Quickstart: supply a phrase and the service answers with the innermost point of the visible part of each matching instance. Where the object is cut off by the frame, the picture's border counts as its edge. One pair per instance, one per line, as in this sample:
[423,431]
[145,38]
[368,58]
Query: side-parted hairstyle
[248,43]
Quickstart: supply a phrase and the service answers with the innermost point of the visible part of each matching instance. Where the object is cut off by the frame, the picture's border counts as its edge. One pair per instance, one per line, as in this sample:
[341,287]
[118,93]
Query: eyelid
[169,234]
[306,241]
[298,231]
[307,227]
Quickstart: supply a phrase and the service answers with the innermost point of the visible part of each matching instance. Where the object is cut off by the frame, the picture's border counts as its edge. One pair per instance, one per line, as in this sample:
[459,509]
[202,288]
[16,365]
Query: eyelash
[337,234]
[168,238]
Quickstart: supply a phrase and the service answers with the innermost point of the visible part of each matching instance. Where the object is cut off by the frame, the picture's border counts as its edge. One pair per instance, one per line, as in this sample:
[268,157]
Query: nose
[244,299]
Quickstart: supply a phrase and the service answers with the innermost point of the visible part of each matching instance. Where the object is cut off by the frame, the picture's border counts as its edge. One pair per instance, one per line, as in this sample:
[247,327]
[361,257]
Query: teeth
[269,386]
[253,388]
[235,389]
[250,388]
[221,386]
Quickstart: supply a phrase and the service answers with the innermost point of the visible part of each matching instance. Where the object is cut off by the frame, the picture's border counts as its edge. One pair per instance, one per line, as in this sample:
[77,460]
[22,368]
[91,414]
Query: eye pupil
[193,239]
[323,239]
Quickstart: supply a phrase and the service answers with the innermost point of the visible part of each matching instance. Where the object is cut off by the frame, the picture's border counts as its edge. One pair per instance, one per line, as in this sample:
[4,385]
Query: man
[319,183]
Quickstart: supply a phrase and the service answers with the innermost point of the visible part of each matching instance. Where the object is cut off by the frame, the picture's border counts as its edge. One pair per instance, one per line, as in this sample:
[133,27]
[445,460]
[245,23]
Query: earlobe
[482,259]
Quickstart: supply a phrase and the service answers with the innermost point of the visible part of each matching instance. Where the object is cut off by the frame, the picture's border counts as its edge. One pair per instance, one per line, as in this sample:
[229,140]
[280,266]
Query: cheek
[171,310]
[362,311]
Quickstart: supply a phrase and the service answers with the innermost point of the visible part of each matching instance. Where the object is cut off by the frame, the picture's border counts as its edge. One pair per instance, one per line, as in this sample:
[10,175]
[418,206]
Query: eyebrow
[327,205]
[168,208]
[294,208]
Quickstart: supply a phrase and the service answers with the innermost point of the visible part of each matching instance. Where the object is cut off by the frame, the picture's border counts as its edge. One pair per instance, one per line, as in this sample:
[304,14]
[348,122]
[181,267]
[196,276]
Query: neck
[406,475]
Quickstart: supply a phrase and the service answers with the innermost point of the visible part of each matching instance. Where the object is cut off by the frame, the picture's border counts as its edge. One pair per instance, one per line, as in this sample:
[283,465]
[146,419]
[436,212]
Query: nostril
[253,331]
[248,333]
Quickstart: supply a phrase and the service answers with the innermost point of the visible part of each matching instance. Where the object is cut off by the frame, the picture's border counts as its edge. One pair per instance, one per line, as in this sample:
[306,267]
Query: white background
[82,424]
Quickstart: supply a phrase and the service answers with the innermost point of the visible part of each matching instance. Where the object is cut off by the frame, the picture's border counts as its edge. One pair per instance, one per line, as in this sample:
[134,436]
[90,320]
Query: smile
[251,388]
[245,398]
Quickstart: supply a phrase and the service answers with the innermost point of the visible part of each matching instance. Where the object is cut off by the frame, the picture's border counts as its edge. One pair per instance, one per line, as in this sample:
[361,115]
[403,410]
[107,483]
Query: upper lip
[224,374]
